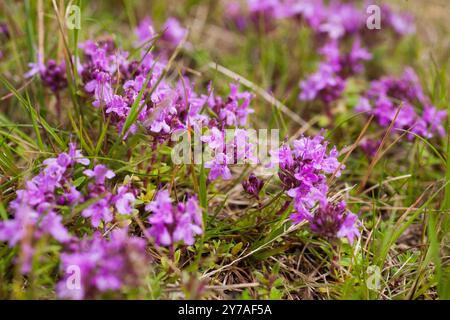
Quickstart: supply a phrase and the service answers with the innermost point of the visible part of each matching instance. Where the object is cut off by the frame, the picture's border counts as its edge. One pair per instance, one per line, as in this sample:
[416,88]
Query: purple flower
[37,207]
[264,12]
[171,224]
[215,139]
[173,32]
[434,120]
[14,230]
[98,212]
[28,225]
[4,30]
[333,221]
[189,222]
[342,19]
[76,155]
[349,228]
[235,110]
[385,96]
[53,75]
[219,160]
[101,89]
[219,167]
[100,172]
[104,265]
[145,31]
[310,11]
[124,200]
[401,23]
[253,185]
[345,64]
[303,170]
[163,206]
[324,85]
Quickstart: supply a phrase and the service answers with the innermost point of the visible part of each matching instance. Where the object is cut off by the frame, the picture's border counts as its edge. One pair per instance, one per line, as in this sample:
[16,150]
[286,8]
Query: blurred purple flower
[324,85]
[170,223]
[173,32]
[100,173]
[104,265]
[387,94]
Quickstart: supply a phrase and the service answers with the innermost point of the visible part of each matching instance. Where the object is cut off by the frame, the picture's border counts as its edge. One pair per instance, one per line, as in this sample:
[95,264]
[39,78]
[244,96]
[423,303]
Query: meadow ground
[94,202]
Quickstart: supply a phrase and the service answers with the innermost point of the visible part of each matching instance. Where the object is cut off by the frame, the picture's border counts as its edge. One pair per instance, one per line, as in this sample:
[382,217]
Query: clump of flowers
[387,94]
[302,171]
[100,210]
[333,19]
[53,75]
[4,31]
[103,266]
[345,64]
[35,210]
[233,13]
[402,24]
[227,147]
[328,83]
[263,13]
[171,224]
[324,85]
[234,111]
[38,208]
[115,82]
[333,221]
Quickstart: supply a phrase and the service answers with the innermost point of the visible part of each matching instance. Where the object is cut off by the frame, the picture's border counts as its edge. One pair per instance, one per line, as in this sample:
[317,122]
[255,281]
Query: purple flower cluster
[38,207]
[328,82]
[4,31]
[303,170]
[334,19]
[302,173]
[227,147]
[52,74]
[170,223]
[253,186]
[334,22]
[36,210]
[385,95]
[103,266]
[332,221]
[115,82]
[324,84]
[235,110]
[345,64]
[100,210]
